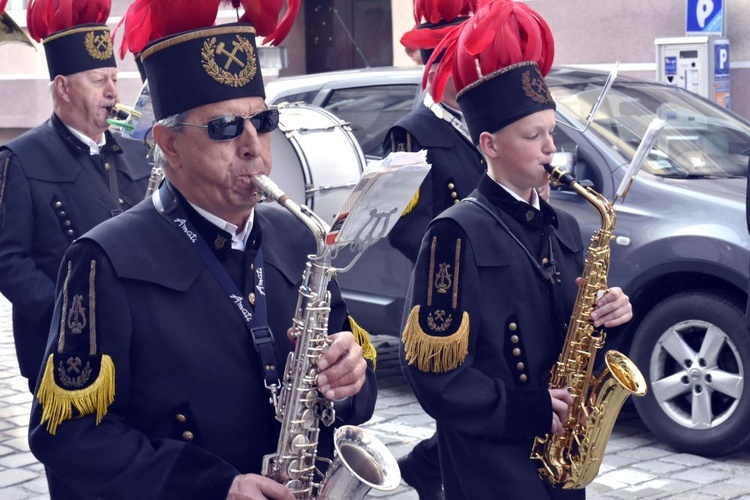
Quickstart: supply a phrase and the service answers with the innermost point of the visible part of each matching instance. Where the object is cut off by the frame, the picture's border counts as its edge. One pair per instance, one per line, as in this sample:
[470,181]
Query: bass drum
[316,159]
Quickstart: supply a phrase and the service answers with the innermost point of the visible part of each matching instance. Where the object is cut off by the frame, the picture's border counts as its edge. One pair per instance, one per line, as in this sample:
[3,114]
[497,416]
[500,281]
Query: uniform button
[512,327]
[61,214]
[187,436]
[107,166]
[456,201]
[520,366]
[181,418]
[545,261]
[251,298]
[451,186]
[516,352]
[70,232]
[121,201]
[252,267]
[58,204]
[67,223]
[523,378]
[530,216]
[454,195]
[514,339]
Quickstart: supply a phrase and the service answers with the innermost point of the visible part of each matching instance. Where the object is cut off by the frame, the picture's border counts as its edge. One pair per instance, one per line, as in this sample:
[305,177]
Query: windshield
[698,140]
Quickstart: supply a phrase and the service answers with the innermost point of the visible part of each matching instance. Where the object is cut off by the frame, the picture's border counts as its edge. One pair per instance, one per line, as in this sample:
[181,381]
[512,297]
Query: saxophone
[571,460]
[362,462]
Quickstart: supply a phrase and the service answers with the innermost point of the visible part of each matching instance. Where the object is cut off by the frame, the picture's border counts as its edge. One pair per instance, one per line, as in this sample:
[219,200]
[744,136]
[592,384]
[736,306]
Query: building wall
[599,33]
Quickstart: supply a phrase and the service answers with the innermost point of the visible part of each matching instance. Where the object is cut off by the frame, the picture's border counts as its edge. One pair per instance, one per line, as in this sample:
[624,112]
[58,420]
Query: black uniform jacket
[456,163]
[51,192]
[190,410]
[484,330]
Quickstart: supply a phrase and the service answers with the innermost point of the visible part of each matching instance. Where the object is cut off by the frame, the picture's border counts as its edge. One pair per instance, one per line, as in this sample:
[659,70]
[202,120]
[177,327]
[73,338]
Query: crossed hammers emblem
[231,56]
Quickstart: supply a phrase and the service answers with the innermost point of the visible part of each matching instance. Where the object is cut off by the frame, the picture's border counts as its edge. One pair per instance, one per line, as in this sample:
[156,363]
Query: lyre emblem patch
[443,279]
[99,46]
[238,62]
[77,315]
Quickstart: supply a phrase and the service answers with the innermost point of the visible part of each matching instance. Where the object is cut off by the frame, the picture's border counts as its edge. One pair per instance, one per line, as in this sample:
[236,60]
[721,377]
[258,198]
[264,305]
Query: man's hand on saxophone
[612,308]
[342,367]
[561,403]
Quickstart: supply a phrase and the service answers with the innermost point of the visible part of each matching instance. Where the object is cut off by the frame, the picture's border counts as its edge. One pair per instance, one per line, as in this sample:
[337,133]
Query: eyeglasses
[226,128]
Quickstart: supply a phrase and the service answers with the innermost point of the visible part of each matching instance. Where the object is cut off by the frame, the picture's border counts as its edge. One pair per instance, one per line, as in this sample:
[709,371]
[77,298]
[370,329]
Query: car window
[306,97]
[699,139]
[371,111]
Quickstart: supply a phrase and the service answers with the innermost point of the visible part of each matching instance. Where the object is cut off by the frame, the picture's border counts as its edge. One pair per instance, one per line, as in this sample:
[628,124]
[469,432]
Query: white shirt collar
[534,196]
[94,147]
[239,238]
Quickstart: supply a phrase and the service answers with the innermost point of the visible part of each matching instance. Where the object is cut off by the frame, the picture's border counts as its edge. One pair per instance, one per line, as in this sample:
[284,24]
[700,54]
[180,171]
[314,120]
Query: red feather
[3,3]
[263,15]
[499,34]
[433,11]
[285,25]
[44,17]
[138,28]
[424,38]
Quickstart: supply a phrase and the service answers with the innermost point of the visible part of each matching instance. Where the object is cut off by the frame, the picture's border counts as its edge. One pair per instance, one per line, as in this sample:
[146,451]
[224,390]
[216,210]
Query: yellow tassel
[363,339]
[435,354]
[412,203]
[57,402]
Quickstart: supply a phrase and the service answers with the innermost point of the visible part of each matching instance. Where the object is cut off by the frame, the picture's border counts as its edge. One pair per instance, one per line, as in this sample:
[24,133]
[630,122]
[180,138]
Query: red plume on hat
[264,16]
[501,33]
[3,3]
[149,20]
[430,14]
[45,17]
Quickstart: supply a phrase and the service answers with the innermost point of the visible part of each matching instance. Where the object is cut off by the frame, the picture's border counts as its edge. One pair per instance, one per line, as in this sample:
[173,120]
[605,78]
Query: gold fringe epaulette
[363,339]
[431,353]
[412,203]
[57,403]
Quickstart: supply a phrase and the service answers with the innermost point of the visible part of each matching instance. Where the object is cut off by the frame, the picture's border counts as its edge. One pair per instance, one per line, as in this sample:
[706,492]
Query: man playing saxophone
[495,280]
[170,322]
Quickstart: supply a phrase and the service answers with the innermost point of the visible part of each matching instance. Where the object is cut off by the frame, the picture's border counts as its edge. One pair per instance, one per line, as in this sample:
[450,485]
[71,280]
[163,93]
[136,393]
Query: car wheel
[693,350]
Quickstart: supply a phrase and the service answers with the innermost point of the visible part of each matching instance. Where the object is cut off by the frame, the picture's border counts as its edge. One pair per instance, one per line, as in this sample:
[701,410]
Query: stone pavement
[635,466]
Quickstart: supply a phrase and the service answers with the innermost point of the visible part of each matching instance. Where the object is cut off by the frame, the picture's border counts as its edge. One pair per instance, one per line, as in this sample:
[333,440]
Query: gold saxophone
[362,462]
[571,460]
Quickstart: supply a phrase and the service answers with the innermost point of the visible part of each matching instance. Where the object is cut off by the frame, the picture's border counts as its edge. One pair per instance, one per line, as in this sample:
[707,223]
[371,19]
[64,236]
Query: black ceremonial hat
[202,66]
[80,48]
[503,97]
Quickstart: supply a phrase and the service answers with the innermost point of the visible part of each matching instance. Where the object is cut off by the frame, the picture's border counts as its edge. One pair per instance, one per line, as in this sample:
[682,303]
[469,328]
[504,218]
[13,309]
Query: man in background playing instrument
[495,280]
[63,177]
[163,348]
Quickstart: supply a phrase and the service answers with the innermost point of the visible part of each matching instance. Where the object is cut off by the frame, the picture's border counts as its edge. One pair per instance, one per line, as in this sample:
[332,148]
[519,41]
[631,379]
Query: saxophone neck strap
[168,204]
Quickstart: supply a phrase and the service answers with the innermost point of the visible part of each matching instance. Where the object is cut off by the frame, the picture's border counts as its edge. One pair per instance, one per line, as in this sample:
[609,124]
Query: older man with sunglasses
[171,321]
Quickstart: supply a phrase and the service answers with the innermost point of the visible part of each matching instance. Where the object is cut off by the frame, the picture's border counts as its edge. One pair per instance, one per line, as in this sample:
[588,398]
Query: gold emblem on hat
[99,46]
[535,88]
[241,54]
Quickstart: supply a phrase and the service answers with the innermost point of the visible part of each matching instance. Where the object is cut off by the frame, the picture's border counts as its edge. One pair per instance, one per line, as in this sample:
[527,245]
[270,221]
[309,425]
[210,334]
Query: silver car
[681,249]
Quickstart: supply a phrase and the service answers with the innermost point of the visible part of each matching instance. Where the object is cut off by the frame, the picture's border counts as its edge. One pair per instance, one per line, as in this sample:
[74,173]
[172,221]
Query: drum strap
[445,115]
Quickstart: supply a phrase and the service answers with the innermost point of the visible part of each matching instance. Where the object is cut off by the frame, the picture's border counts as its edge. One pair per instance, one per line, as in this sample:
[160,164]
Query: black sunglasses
[226,128]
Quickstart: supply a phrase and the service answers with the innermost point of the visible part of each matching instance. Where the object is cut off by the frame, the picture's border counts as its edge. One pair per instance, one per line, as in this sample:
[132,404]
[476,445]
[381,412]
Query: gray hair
[176,124]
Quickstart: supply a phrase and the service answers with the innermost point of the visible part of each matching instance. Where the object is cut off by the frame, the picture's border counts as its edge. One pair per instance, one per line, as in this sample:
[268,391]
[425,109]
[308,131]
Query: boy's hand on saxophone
[613,308]
[342,367]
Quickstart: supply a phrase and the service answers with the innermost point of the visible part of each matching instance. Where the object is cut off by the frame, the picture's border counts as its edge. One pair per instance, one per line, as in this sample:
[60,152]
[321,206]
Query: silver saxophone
[361,461]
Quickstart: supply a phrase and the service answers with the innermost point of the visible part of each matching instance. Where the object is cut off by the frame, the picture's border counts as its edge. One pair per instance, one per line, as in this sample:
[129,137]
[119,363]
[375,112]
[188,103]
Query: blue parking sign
[705,17]
[721,58]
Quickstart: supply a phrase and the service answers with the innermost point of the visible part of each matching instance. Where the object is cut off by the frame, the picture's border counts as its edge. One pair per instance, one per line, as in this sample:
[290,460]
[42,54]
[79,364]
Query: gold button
[107,165]
[451,185]
[61,213]
[252,267]
[181,418]
[514,339]
[454,195]
[545,260]
[520,366]
[121,201]
[70,232]
[58,204]
[187,436]
[516,352]
[512,327]
[67,223]
[456,201]
[523,378]
[251,298]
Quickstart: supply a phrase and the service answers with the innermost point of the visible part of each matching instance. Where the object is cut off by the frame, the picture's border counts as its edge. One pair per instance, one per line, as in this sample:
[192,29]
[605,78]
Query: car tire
[694,352]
